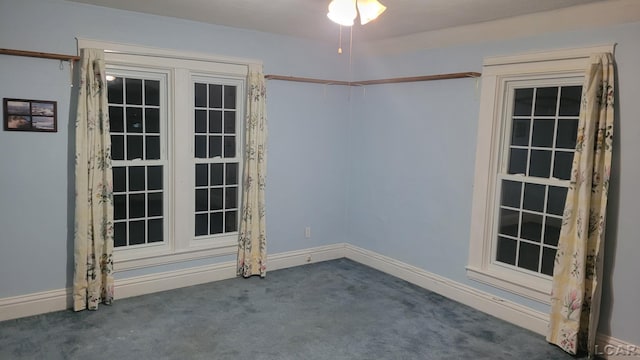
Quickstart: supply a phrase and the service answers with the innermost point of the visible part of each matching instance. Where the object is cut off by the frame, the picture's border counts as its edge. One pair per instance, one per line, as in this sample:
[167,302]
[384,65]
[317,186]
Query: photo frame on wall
[30,115]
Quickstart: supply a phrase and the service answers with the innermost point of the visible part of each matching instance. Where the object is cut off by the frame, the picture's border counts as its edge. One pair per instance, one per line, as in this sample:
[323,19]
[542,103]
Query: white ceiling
[307,18]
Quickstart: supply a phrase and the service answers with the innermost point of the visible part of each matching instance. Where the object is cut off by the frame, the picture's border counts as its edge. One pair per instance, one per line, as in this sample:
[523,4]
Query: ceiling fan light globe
[369,10]
[343,12]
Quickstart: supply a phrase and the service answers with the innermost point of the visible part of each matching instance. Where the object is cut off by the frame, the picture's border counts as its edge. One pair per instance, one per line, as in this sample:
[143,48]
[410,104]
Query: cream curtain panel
[577,275]
[252,242]
[93,233]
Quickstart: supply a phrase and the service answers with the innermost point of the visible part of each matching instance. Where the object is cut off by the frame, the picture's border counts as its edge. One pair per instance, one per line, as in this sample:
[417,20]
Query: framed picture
[30,115]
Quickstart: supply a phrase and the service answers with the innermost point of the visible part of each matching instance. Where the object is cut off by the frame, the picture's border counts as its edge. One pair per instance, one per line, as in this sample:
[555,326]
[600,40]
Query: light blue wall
[388,168]
[306,134]
[412,170]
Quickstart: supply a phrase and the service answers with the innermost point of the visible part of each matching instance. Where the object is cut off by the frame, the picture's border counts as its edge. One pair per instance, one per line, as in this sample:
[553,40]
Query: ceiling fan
[344,12]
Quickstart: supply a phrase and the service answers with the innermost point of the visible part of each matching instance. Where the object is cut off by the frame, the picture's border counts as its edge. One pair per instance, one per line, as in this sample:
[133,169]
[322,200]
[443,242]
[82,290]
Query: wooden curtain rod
[459,75]
[40,54]
[306,80]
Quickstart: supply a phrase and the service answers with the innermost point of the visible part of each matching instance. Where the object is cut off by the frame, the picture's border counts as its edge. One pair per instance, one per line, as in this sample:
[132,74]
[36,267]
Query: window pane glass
[510,193]
[216,174]
[567,133]
[529,256]
[229,122]
[119,207]
[136,178]
[201,121]
[531,227]
[200,95]
[202,224]
[152,120]
[152,92]
[520,132]
[570,99]
[509,222]
[114,91]
[229,146]
[215,96]
[154,178]
[134,91]
[548,260]
[155,230]
[215,146]
[201,146]
[543,131]
[231,221]
[136,232]
[117,147]
[215,223]
[116,120]
[216,199]
[120,234]
[202,198]
[552,231]
[119,179]
[137,206]
[229,97]
[154,204]
[555,202]
[202,176]
[506,251]
[231,198]
[215,121]
[534,197]
[134,120]
[546,101]
[134,147]
[517,161]
[153,148]
[232,173]
[523,102]
[540,165]
[562,165]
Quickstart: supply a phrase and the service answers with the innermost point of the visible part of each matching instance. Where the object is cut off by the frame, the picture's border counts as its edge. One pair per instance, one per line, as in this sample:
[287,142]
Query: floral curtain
[252,242]
[577,275]
[93,249]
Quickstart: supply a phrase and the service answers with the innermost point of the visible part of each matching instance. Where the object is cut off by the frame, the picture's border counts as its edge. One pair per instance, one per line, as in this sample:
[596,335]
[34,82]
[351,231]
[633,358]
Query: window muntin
[532,180]
[137,110]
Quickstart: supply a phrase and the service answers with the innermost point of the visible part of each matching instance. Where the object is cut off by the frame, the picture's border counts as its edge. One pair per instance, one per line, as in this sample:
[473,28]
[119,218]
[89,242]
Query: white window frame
[180,243]
[498,76]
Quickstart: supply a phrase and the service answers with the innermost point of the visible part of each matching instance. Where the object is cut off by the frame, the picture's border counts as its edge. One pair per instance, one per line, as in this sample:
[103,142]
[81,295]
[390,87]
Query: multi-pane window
[138,162]
[216,158]
[534,175]
[526,135]
[176,123]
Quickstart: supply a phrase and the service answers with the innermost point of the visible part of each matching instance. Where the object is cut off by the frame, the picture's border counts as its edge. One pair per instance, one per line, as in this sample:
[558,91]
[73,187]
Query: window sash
[506,144]
[161,77]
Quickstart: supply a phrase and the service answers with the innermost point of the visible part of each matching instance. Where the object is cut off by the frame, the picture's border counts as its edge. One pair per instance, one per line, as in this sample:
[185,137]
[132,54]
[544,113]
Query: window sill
[528,286]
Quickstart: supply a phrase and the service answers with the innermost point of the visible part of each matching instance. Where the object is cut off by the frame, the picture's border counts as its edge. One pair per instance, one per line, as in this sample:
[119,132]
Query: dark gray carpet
[332,310]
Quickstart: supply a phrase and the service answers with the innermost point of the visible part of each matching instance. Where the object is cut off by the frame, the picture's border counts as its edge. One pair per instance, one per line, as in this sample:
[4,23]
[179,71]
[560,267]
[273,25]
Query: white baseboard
[525,317]
[147,284]
[56,300]
[503,309]
[34,304]
[611,348]
[306,256]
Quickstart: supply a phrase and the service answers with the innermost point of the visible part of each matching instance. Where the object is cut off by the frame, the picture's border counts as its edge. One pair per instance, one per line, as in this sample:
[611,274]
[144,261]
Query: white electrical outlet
[307,232]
